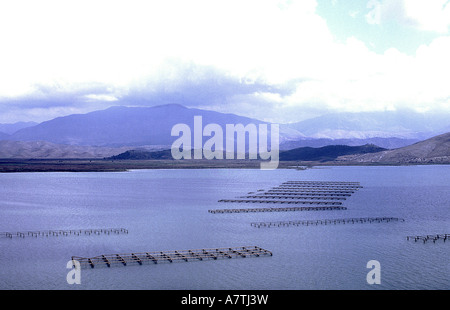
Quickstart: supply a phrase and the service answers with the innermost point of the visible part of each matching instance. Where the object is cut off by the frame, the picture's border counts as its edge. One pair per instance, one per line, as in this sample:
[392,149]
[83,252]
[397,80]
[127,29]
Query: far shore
[108,165]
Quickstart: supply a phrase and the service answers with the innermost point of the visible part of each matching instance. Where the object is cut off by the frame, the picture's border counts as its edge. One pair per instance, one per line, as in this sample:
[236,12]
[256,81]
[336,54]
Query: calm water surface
[167,210]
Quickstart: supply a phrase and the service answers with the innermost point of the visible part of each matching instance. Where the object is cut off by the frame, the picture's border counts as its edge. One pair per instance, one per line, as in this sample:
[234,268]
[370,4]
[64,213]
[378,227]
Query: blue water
[167,210]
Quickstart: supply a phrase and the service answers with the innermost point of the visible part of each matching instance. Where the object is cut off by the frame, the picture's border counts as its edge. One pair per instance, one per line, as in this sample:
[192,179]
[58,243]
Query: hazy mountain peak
[3,135]
[401,123]
[13,127]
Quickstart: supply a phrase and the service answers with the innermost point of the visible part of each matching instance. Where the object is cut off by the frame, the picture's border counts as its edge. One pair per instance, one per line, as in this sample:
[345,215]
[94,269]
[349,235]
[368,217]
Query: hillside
[387,143]
[327,153]
[41,149]
[433,150]
[142,155]
[3,135]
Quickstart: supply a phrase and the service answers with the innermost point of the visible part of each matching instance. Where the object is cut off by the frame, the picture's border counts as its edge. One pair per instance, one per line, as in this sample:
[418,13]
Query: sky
[279,61]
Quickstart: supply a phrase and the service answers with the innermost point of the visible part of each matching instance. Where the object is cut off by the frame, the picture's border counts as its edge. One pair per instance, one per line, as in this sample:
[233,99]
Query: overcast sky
[280,61]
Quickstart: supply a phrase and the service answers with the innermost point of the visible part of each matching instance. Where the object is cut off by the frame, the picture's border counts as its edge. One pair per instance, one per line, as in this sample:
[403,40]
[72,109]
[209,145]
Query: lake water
[168,210]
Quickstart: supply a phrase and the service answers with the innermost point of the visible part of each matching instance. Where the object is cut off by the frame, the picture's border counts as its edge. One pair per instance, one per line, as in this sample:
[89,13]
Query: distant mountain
[130,126]
[327,153]
[433,150]
[404,124]
[136,127]
[12,128]
[3,135]
[41,149]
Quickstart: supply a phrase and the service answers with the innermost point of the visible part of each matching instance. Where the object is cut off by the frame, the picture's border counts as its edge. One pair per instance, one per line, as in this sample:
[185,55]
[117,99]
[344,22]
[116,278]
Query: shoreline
[108,165]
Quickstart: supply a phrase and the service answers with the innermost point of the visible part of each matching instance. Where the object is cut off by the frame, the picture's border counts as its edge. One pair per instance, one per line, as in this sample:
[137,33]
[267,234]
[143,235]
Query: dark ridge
[142,154]
[327,153]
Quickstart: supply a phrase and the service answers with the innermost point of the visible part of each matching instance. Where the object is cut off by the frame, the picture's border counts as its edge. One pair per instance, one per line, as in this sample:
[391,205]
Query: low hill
[327,153]
[387,143]
[41,149]
[143,154]
[433,150]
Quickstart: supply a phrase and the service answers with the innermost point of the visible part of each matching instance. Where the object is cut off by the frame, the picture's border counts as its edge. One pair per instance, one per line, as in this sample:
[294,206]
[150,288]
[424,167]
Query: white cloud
[115,42]
[357,79]
[119,46]
[430,15]
[353,14]
[101,97]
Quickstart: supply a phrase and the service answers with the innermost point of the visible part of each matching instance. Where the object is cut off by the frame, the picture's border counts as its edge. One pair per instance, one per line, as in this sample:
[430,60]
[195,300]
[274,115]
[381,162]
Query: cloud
[116,42]
[431,15]
[173,81]
[193,84]
[274,60]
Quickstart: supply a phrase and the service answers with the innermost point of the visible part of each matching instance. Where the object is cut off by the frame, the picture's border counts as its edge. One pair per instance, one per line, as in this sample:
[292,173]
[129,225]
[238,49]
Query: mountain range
[108,132]
[403,124]
[123,126]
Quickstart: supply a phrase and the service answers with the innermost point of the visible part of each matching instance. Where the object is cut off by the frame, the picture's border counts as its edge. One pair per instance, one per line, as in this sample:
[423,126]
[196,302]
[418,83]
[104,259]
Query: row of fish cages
[126,259]
[426,238]
[290,196]
[57,233]
[311,191]
[324,195]
[297,223]
[286,209]
[334,186]
[323,182]
[310,202]
[301,192]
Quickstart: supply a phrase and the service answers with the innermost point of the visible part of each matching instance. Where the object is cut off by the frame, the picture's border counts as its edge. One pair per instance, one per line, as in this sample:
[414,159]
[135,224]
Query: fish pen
[288,193]
[326,222]
[266,196]
[285,209]
[322,182]
[281,201]
[309,190]
[57,233]
[109,260]
[426,238]
[320,193]
[320,186]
